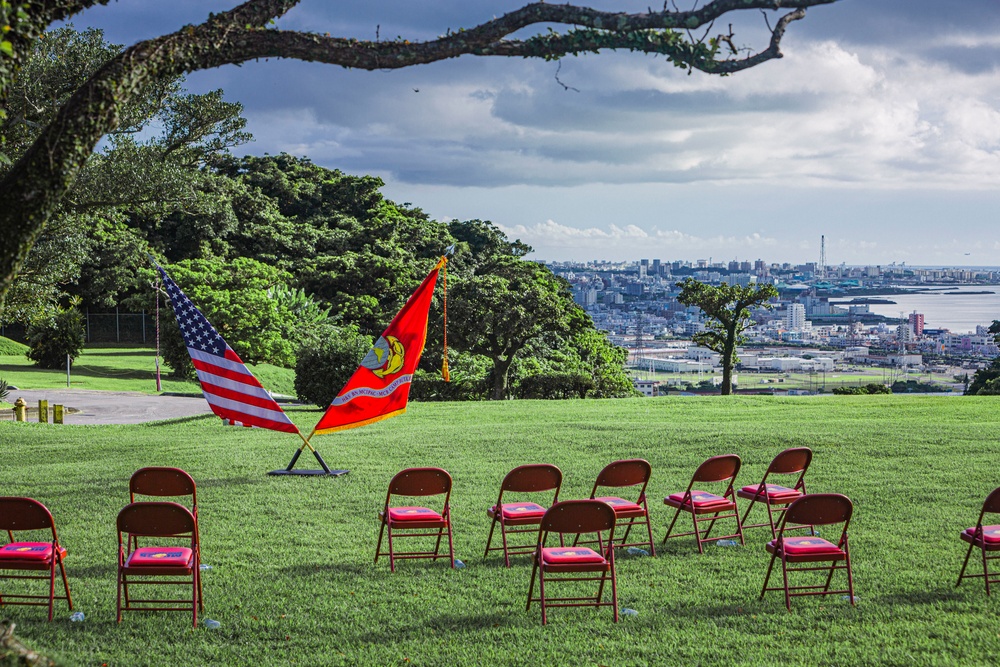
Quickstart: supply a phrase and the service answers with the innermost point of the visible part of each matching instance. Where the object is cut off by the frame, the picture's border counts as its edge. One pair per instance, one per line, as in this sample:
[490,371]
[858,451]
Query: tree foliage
[496,313]
[236,297]
[93,243]
[727,308]
[51,340]
[33,189]
[986,381]
[338,251]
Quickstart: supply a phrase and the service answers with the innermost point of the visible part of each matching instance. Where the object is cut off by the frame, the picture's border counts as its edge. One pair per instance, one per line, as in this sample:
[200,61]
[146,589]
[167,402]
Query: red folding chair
[818,509]
[623,474]
[513,516]
[158,565]
[576,517]
[25,514]
[163,482]
[717,471]
[986,538]
[399,522]
[774,497]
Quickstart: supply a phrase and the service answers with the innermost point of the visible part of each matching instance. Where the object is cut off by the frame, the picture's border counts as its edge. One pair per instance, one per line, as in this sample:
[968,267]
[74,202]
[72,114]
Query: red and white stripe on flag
[235,394]
[228,385]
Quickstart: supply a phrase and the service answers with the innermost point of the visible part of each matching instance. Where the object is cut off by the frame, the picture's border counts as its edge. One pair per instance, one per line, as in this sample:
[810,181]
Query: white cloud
[632,241]
[825,115]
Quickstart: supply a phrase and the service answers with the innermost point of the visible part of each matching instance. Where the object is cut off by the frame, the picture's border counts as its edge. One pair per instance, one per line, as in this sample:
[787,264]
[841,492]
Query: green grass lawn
[292,577]
[123,369]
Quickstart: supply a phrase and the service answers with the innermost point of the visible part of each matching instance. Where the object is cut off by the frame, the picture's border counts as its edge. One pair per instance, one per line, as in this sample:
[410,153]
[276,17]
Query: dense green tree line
[281,254]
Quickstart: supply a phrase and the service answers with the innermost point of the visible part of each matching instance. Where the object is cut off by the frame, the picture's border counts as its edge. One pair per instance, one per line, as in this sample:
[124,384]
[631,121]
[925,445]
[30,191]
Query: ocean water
[954,309]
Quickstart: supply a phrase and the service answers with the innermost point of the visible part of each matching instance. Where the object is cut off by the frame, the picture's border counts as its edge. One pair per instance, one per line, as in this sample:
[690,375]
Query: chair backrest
[420,482]
[820,509]
[159,481]
[24,514]
[717,469]
[793,460]
[578,516]
[992,503]
[156,519]
[628,472]
[532,477]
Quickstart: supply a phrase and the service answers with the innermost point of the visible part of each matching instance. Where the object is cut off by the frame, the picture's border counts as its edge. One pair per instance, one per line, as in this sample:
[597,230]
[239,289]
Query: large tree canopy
[32,190]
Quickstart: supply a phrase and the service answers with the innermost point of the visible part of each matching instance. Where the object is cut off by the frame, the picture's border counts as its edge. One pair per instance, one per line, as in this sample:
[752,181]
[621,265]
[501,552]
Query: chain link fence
[116,327]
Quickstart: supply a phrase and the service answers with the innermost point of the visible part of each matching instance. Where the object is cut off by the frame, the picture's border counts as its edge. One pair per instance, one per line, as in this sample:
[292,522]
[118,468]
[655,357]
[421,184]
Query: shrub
[916,387]
[555,385]
[430,386]
[986,381]
[870,388]
[468,382]
[325,363]
[51,341]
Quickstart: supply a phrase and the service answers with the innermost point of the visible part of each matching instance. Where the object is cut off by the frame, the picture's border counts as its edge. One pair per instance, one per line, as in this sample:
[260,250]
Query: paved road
[113,407]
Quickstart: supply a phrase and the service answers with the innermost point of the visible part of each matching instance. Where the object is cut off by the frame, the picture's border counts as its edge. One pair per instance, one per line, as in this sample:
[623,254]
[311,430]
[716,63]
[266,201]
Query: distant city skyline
[715,262]
[880,128]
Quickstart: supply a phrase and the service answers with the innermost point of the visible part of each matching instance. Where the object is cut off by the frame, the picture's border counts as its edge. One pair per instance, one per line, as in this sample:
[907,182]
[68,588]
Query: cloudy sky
[880,129]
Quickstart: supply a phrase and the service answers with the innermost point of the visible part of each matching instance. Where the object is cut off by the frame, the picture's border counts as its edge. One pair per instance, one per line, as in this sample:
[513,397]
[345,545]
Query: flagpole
[425,288]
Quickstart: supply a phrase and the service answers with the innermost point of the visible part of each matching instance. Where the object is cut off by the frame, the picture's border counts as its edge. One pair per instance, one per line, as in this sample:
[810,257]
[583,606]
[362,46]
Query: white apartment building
[795,318]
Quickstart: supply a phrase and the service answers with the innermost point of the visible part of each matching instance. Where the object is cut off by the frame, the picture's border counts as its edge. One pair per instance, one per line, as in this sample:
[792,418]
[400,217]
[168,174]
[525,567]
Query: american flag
[228,385]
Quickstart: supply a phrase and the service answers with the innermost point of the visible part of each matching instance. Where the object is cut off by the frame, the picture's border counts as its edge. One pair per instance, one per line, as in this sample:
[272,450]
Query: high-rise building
[643,268]
[795,320]
[917,323]
[656,267]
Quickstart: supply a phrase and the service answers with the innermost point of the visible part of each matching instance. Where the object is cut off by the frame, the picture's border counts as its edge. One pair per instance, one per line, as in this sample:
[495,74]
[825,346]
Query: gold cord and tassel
[444,284]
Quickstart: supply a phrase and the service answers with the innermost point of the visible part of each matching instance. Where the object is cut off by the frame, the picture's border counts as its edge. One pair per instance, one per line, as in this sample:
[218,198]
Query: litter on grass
[636,551]
[629,612]
[76,616]
[459,564]
[727,543]
[212,625]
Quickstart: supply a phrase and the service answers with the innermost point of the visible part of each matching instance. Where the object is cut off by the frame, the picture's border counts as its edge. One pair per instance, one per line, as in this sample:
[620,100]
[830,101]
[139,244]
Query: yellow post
[43,411]
[20,410]
[57,414]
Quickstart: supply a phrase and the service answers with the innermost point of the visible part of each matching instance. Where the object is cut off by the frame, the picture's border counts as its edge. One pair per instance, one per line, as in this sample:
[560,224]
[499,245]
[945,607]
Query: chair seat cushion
[808,545]
[160,557]
[570,556]
[701,499]
[413,514]
[991,534]
[522,511]
[28,551]
[620,504]
[774,492]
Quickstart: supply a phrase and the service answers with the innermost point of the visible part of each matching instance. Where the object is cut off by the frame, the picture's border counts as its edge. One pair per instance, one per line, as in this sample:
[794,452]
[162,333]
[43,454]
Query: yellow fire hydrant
[20,410]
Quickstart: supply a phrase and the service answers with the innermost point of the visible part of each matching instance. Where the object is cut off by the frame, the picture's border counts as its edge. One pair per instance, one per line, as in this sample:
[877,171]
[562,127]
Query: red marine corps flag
[380,387]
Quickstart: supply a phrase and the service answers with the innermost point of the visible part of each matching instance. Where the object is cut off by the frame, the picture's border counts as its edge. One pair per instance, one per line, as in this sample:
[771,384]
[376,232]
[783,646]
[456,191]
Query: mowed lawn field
[293,582]
[115,368]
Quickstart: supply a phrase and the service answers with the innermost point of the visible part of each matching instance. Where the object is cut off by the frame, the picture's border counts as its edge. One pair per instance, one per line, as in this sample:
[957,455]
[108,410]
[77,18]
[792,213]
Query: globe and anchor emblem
[385,357]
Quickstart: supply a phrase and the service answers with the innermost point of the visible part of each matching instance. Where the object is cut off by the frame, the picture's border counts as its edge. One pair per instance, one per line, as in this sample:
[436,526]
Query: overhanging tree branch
[31,191]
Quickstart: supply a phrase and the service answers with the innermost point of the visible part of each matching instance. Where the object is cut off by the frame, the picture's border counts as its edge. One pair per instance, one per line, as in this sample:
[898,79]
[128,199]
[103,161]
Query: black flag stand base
[289,470]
